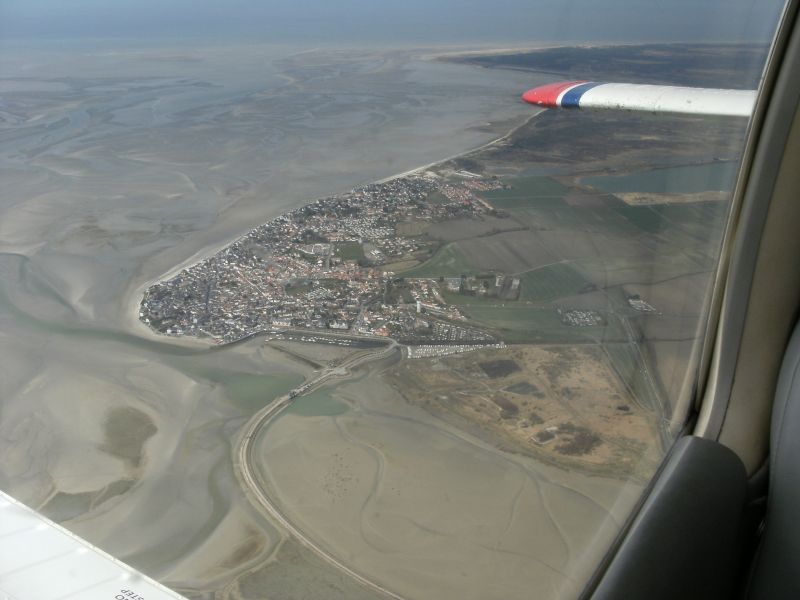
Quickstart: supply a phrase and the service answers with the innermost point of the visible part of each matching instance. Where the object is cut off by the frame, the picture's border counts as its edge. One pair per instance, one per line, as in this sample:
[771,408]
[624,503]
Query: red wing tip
[547,95]
[533,97]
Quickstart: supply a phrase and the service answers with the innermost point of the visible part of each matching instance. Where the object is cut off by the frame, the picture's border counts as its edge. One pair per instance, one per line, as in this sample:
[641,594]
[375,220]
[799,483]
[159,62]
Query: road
[243,461]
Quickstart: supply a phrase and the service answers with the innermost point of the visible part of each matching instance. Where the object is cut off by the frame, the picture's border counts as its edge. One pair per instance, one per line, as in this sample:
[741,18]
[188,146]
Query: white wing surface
[40,560]
[647,98]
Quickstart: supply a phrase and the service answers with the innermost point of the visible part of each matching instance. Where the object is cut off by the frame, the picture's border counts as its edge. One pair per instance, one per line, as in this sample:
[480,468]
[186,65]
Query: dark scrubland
[701,65]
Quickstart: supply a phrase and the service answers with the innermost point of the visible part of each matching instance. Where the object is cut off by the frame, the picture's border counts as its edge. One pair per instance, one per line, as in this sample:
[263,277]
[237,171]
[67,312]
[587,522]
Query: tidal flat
[122,164]
[426,508]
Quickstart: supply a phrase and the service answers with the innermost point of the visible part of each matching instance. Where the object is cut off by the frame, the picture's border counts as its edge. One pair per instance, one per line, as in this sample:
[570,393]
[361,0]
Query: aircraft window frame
[730,305]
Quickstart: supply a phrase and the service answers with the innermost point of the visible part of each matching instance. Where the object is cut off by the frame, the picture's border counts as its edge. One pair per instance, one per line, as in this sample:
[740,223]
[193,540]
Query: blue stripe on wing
[573,97]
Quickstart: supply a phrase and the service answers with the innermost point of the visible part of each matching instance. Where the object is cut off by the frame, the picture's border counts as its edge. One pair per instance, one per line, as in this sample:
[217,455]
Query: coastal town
[331,266]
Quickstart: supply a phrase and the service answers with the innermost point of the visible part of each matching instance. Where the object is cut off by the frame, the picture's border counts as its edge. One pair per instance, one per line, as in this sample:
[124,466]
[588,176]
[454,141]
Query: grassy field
[701,222]
[560,217]
[643,217]
[508,252]
[448,262]
[692,219]
[465,300]
[528,192]
[525,324]
[400,266]
[437,197]
[297,289]
[610,272]
[551,282]
[349,250]
[412,228]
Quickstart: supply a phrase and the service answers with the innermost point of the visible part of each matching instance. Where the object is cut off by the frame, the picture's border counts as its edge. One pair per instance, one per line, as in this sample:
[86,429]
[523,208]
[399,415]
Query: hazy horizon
[446,22]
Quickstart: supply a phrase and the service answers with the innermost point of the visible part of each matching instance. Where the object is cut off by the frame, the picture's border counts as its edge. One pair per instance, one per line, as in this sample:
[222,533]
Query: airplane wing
[647,98]
[40,560]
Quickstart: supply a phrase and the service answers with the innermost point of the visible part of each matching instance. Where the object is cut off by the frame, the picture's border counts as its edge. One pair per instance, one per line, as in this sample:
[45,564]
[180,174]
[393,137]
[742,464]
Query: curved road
[243,462]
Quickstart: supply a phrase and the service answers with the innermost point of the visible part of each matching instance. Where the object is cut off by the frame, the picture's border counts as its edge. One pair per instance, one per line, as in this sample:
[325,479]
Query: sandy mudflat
[431,513]
[112,183]
[135,456]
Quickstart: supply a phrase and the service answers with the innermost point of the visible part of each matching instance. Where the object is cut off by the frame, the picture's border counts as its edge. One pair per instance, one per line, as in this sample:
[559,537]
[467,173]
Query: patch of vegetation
[397,292]
[349,250]
[500,368]
[449,261]
[534,418]
[643,217]
[437,197]
[467,299]
[558,216]
[734,65]
[525,388]
[583,442]
[527,324]
[297,289]
[551,282]
[528,192]
[294,573]
[508,410]
[612,139]
[411,228]
[467,164]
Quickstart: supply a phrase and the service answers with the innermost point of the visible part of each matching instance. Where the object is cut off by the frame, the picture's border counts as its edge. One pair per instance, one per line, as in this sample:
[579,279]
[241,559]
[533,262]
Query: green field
[525,324]
[466,300]
[611,272]
[530,192]
[449,261]
[349,251]
[551,282]
[700,221]
[643,217]
[437,197]
[693,218]
[297,289]
[412,228]
[554,217]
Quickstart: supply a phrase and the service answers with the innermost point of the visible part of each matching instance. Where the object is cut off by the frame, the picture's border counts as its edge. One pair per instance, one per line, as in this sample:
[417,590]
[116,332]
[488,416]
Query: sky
[401,21]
